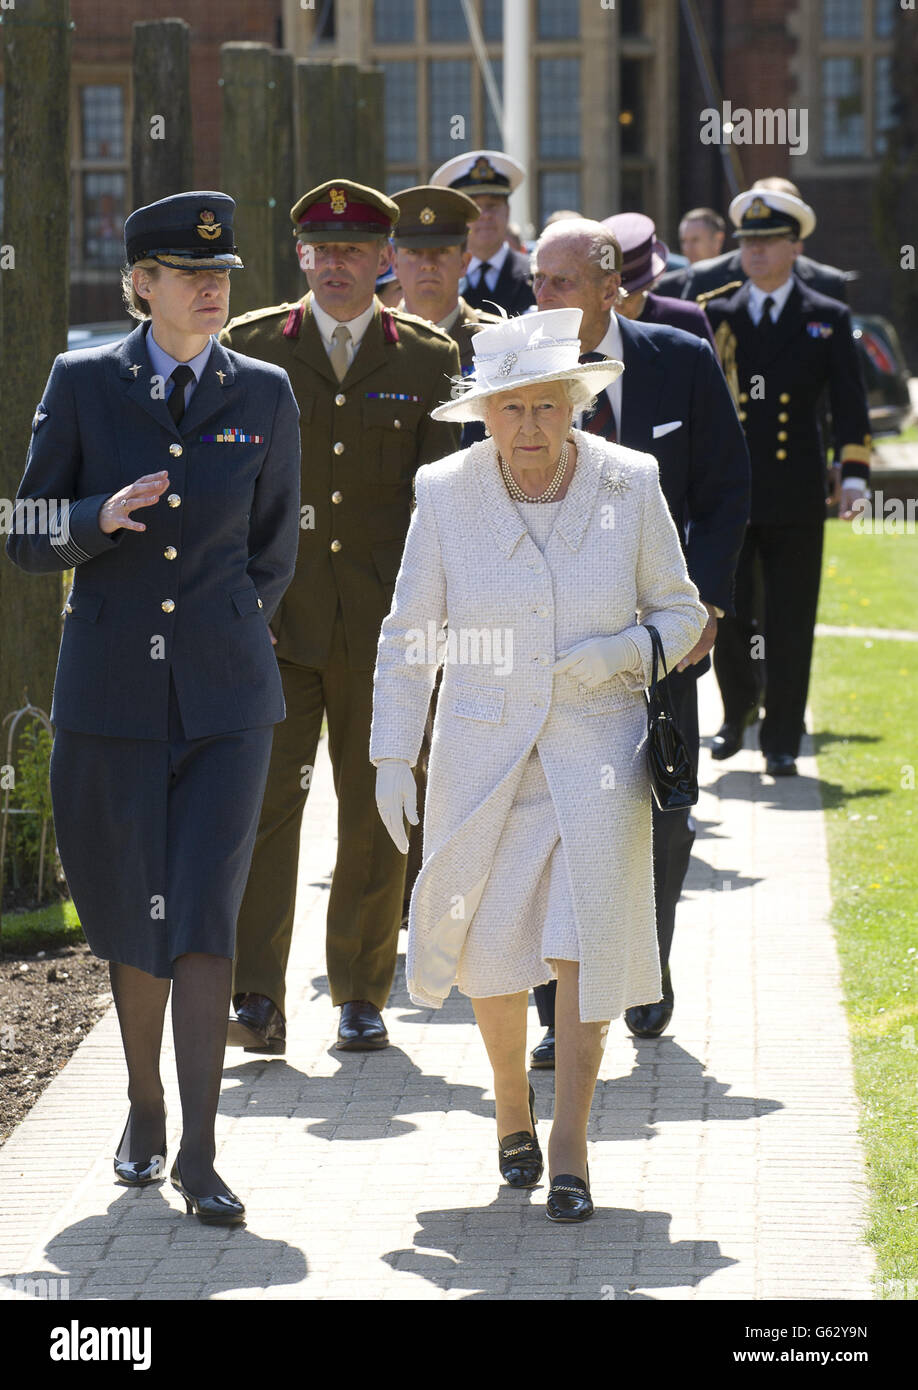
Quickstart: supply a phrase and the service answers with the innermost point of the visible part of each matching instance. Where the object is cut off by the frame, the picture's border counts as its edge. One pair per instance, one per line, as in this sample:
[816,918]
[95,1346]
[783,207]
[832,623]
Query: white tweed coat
[612,561]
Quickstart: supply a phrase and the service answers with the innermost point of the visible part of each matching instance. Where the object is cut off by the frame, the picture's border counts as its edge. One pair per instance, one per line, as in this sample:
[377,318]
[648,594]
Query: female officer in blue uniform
[170,467]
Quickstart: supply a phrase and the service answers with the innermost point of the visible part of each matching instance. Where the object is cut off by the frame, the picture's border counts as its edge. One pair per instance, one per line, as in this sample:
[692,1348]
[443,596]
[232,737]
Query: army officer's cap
[432,216]
[341,210]
[764,212]
[188,231]
[480,171]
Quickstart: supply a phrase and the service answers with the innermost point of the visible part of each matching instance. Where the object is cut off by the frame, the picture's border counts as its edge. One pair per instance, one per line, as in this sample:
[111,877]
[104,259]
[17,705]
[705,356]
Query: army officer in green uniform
[365,379]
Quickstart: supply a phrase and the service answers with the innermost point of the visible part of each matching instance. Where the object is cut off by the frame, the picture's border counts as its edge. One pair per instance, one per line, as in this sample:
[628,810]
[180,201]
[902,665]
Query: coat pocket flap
[385,413]
[479,702]
[246,601]
[85,607]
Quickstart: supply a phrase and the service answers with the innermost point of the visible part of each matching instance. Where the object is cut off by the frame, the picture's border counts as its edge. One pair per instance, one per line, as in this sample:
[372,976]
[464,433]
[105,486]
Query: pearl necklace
[517,493]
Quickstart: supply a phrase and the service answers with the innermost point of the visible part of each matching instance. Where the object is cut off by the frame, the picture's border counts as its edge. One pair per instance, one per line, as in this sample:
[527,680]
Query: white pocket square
[660,430]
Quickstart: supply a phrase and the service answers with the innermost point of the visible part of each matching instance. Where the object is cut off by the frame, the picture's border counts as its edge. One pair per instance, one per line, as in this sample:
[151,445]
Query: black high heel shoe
[213,1211]
[569,1198]
[146,1171]
[519,1155]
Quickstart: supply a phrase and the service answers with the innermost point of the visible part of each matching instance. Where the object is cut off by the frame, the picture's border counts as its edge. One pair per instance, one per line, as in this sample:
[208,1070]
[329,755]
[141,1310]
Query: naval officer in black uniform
[175,465]
[782,345]
[496,274]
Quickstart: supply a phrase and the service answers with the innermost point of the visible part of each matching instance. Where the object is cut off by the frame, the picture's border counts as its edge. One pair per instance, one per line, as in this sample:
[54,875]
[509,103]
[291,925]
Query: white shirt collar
[496,262]
[357,327]
[779,297]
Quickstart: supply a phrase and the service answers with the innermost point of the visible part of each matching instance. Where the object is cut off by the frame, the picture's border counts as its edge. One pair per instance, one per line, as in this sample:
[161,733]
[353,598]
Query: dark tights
[200,1005]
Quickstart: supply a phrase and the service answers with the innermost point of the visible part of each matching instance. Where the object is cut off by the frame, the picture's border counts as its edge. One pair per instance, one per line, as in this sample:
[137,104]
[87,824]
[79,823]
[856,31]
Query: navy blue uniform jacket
[720,270]
[230,514]
[676,406]
[513,290]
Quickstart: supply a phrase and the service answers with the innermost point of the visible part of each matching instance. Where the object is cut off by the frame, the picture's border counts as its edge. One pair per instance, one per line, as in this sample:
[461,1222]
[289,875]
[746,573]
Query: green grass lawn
[866,717]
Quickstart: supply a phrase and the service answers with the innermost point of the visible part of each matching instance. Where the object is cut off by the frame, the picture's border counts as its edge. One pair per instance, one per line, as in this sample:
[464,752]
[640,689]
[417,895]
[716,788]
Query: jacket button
[784,398]
[170,552]
[176,450]
[336,545]
[337,497]
[174,500]
[260,604]
[396,424]
[339,447]
[742,414]
[68,608]
[340,398]
[541,612]
[784,417]
[781,454]
[782,435]
[167,605]
[744,396]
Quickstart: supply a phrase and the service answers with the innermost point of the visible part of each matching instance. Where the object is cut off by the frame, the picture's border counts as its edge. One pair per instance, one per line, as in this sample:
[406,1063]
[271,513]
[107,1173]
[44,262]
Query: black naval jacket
[810,349]
[704,276]
[194,592]
[513,290]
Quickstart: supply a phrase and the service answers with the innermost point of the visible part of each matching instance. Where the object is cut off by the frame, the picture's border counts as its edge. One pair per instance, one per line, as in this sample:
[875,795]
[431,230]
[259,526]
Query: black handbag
[672,776]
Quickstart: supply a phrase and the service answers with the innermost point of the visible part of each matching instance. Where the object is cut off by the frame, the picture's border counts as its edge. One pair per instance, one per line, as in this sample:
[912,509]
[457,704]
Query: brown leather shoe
[259,1025]
[361,1028]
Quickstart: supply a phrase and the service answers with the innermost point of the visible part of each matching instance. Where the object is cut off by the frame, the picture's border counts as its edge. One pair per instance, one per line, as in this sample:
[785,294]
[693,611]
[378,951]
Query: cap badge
[338,199]
[483,169]
[427,215]
[506,366]
[757,210]
[208,227]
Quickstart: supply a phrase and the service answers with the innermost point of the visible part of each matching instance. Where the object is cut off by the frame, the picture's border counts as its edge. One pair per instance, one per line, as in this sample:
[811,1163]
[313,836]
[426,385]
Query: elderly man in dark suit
[366,379]
[672,401]
[782,346]
[704,276]
[496,274]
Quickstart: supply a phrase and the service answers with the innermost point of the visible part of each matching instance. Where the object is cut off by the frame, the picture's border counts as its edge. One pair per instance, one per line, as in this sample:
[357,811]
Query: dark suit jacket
[513,290]
[673,379]
[364,439]
[780,379]
[720,270]
[677,313]
[232,522]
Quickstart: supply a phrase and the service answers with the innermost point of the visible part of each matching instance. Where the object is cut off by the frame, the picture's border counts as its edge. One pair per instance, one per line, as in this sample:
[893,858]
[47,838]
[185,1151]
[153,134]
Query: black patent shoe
[147,1170]
[568,1199]
[258,1026]
[213,1211]
[519,1155]
[542,1056]
[729,737]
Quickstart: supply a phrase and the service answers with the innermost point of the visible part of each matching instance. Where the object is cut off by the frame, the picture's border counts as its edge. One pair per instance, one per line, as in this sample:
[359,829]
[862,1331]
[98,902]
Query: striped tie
[601,420]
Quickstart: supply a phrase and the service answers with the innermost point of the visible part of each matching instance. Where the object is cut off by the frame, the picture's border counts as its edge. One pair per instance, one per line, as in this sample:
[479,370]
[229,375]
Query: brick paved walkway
[725,1159]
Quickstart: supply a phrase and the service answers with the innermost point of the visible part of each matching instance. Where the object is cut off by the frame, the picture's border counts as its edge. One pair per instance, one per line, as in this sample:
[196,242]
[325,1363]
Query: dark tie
[180,379]
[601,420]
[765,322]
[483,270]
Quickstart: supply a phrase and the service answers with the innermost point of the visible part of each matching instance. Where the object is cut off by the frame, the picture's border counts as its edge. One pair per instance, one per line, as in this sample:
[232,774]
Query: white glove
[598,658]
[396,798]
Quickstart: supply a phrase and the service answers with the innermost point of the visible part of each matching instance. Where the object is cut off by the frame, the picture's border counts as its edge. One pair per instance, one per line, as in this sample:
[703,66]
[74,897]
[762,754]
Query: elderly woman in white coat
[544,551]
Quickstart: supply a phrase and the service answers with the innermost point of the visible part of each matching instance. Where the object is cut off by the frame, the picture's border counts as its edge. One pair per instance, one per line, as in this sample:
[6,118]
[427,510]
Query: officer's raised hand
[142,492]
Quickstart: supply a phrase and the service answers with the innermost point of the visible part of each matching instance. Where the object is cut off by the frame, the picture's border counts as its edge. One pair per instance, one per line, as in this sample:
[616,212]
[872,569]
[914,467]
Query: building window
[559,20]
[559,108]
[450,95]
[885,103]
[843,107]
[100,175]
[2,90]
[401,98]
[631,107]
[884,18]
[492,19]
[842,19]
[393,21]
[492,136]
[856,77]
[446,21]
[558,188]
[631,17]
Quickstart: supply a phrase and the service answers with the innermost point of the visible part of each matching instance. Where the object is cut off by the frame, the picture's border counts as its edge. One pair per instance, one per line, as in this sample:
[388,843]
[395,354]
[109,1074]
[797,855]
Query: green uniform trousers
[364,907]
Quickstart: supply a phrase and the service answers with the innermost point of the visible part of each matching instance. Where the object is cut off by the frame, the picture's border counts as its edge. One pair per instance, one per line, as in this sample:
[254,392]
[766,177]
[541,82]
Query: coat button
[782,435]
[176,450]
[784,398]
[781,454]
[340,398]
[174,500]
[260,604]
[537,567]
[784,417]
[167,605]
[339,447]
[68,608]
[396,424]
[541,612]
[336,545]
[742,414]
[337,497]
[744,396]
[170,552]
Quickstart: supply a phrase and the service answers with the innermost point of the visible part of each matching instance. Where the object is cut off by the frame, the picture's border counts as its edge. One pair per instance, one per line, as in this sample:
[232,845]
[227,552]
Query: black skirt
[156,837]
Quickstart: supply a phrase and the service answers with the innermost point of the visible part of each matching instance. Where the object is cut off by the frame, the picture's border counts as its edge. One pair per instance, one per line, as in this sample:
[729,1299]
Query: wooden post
[339,124]
[34,285]
[162,146]
[257,170]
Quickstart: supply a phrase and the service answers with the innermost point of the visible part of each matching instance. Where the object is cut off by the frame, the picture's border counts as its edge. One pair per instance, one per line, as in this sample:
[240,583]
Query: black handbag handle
[656,643]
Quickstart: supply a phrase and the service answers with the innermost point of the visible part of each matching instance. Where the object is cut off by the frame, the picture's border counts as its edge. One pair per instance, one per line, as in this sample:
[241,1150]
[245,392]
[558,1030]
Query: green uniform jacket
[363,440]
[465,327]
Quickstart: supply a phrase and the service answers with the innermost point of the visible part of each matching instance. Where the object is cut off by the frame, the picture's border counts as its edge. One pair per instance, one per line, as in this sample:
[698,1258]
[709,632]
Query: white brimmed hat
[480,171]
[526,351]
[762,212]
